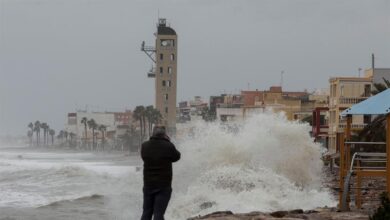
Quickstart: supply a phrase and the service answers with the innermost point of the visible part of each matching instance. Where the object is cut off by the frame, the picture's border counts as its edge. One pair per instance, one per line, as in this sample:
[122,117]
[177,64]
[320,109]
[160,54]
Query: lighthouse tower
[164,56]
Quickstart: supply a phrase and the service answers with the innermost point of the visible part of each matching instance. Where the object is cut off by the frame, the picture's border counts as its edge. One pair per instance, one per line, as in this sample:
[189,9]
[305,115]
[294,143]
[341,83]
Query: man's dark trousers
[155,202]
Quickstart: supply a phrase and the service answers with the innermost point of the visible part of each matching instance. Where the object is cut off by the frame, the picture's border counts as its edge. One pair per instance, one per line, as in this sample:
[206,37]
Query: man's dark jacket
[158,154]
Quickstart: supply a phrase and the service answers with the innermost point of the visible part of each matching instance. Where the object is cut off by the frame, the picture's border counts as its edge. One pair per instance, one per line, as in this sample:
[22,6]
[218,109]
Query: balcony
[333,128]
[351,100]
[353,126]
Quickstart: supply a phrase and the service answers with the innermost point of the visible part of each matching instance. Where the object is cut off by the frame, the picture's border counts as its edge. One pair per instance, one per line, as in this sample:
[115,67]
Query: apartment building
[345,92]
[290,103]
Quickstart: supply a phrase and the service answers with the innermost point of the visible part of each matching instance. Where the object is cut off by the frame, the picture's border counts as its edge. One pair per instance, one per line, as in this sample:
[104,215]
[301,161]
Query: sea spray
[263,163]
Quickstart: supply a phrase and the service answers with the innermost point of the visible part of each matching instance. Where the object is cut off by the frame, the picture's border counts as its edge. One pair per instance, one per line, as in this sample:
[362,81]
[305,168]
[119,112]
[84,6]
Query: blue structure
[375,105]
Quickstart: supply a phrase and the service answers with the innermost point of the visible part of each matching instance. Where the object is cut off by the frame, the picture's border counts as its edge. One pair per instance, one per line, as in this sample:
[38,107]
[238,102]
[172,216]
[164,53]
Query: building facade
[75,126]
[345,92]
[293,104]
[378,74]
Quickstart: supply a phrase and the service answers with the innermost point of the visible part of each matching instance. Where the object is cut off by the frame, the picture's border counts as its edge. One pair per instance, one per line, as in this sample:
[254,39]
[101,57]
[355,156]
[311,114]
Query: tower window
[161,56]
[166,96]
[166,110]
[161,70]
[169,83]
[172,57]
[170,70]
[163,83]
[167,43]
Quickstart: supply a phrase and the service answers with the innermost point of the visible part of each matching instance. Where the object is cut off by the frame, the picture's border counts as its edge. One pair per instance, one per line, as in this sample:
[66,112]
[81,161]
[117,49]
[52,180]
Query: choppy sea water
[35,184]
[265,163]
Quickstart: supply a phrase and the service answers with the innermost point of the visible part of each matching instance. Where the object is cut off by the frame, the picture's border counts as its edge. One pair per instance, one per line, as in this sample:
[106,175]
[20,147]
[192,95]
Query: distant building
[296,105]
[123,118]
[188,110]
[110,119]
[215,101]
[230,108]
[377,74]
[345,92]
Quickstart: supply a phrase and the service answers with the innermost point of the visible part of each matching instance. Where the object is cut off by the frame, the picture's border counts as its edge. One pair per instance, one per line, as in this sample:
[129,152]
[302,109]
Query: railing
[351,100]
[353,126]
[359,158]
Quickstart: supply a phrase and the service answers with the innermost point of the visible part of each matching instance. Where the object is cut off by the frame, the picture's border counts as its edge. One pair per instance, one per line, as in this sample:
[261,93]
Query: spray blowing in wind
[263,163]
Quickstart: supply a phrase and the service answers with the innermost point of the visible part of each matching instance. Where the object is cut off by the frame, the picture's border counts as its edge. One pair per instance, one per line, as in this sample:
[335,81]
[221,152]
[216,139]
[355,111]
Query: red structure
[320,125]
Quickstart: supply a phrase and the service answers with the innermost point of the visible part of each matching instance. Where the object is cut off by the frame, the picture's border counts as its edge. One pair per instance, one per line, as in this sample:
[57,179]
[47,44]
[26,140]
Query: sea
[263,163]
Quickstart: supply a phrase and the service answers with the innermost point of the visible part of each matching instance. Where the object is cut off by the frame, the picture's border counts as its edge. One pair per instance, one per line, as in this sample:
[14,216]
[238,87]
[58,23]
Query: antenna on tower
[281,78]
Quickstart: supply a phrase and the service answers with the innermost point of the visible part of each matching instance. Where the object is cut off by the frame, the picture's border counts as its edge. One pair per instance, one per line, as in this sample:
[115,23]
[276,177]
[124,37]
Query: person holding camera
[158,154]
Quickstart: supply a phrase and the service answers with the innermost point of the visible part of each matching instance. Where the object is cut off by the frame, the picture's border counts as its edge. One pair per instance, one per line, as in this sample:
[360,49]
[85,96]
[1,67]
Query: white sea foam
[265,163]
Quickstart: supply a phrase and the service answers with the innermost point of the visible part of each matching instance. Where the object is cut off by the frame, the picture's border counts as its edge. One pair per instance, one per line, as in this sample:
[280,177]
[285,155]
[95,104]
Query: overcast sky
[60,55]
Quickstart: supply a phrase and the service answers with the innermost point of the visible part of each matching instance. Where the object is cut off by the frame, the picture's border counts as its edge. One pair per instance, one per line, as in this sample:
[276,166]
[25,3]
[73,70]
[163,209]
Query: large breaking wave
[264,163]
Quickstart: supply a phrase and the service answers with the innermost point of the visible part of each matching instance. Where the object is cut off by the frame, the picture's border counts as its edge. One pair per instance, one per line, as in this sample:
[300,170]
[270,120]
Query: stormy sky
[57,56]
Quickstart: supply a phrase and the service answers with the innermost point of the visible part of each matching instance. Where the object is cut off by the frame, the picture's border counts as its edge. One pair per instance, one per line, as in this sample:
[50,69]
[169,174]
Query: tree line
[36,128]
[145,117]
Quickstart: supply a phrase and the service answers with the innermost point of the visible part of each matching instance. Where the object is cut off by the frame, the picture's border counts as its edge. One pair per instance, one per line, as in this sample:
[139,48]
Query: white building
[75,126]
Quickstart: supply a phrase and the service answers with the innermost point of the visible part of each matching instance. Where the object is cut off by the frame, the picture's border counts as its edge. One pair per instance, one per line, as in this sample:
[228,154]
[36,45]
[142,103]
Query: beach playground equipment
[363,164]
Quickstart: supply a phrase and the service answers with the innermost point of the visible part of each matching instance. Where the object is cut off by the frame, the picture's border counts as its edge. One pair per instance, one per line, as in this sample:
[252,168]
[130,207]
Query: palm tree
[47,134]
[138,115]
[84,121]
[61,136]
[66,134]
[156,117]
[72,136]
[52,133]
[37,129]
[102,129]
[376,130]
[45,128]
[93,126]
[149,114]
[30,133]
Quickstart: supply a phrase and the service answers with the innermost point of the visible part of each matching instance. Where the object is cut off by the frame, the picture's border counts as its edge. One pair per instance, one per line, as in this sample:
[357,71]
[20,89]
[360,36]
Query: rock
[318,214]
[296,211]
[279,214]
[218,214]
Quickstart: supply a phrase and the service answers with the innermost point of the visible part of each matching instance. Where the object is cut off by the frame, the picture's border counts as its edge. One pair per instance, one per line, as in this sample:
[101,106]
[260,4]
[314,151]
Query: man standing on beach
[158,154]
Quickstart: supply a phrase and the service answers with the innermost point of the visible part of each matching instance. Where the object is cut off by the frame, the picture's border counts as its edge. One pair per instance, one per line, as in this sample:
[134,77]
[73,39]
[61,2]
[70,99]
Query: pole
[388,153]
[281,78]
[341,167]
[348,138]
